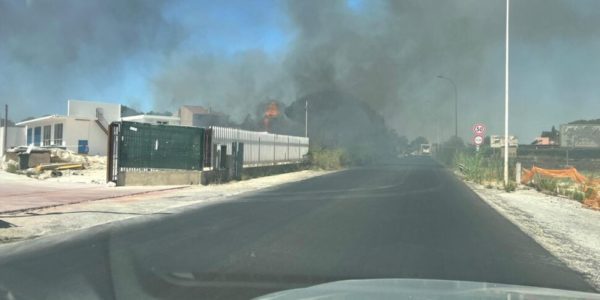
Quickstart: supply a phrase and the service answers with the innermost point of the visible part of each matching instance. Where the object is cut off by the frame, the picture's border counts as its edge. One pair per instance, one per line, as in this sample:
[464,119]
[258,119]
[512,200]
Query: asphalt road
[411,219]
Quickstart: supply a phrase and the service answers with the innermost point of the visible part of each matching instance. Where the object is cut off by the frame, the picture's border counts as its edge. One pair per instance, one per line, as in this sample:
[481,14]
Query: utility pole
[506,96]
[306,119]
[5,139]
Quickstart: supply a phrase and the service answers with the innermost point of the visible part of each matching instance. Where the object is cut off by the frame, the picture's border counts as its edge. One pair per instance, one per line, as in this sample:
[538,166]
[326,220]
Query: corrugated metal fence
[260,148]
[146,147]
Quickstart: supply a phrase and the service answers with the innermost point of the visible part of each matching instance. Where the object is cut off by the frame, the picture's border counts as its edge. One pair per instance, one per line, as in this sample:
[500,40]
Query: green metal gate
[142,146]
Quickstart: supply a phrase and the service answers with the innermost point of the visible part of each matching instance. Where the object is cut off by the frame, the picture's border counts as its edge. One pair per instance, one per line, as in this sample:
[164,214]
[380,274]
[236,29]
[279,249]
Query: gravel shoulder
[60,219]
[564,227]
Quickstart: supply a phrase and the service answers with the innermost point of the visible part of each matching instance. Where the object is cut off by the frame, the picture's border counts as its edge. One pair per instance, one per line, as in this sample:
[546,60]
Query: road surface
[411,219]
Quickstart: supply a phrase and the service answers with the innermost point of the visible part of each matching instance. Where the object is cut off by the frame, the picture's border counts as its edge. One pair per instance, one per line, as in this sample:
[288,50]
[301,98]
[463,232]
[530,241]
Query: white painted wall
[77,129]
[16,137]
[87,109]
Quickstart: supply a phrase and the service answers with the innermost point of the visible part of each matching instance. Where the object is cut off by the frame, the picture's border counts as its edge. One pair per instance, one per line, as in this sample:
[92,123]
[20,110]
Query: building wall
[87,109]
[186,116]
[85,129]
[16,137]
[74,130]
[42,124]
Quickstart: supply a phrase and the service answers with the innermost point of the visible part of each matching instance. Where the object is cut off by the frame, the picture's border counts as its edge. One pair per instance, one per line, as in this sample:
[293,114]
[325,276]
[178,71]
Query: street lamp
[455,104]
[506,98]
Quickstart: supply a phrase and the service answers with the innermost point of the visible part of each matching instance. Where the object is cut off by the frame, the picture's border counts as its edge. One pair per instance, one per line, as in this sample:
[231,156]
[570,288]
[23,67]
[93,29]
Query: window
[58,134]
[47,135]
[37,136]
[29,135]
[162,122]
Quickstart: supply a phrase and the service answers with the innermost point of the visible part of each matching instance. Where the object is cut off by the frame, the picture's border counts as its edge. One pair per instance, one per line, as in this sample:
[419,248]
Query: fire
[271,113]
[272,110]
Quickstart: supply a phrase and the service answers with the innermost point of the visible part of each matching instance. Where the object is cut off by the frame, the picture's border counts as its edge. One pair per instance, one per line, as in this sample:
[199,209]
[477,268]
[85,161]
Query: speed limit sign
[477,140]
[479,129]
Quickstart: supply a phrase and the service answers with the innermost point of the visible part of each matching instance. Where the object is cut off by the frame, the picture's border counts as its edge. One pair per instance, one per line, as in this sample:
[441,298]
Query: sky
[233,55]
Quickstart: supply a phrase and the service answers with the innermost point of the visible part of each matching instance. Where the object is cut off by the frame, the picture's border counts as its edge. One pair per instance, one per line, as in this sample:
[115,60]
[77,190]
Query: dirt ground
[563,226]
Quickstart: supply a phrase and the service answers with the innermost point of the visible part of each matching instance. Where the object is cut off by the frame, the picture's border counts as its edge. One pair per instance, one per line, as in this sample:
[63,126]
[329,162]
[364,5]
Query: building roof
[155,117]
[58,117]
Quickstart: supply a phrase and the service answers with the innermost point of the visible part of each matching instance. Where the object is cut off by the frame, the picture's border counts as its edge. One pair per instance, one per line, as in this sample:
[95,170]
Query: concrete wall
[16,137]
[87,109]
[186,116]
[222,176]
[85,129]
[167,177]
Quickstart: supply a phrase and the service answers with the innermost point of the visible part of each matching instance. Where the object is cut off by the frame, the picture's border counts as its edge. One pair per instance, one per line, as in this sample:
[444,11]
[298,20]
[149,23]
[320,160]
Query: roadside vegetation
[486,168]
[326,158]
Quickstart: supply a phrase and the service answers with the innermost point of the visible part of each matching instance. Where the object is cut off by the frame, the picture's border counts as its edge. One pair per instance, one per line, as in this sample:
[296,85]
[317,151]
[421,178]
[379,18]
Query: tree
[10,122]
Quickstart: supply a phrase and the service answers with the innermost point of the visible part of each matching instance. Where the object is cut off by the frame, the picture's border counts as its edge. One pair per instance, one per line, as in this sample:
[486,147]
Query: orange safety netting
[565,173]
[571,173]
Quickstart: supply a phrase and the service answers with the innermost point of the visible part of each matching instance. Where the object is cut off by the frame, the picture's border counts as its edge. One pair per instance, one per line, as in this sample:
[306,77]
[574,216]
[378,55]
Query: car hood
[424,289]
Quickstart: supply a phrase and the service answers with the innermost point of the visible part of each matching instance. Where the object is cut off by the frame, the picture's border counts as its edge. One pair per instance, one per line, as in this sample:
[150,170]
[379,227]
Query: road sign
[477,140]
[479,129]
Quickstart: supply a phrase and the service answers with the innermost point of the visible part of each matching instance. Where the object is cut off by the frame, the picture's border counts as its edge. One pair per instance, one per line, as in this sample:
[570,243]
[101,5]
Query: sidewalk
[21,193]
[563,226]
[55,220]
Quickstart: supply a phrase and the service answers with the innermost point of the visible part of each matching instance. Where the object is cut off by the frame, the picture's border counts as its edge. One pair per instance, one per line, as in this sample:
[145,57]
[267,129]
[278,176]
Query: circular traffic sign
[477,140]
[479,129]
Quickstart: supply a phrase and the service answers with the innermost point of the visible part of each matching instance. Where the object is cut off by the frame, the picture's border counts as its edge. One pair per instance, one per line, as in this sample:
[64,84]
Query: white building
[83,130]
[153,119]
[16,137]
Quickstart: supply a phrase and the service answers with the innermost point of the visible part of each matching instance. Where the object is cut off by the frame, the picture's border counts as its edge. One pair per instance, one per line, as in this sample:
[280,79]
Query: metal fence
[146,147]
[138,146]
[259,148]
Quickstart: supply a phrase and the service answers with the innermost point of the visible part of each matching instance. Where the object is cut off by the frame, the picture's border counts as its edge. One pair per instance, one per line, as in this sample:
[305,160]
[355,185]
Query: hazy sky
[231,55]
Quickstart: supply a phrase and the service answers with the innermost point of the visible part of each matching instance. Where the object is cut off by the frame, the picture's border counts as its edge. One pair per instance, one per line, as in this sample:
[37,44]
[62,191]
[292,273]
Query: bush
[11,168]
[326,159]
[479,168]
[511,186]
[579,196]
[590,193]
[545,184]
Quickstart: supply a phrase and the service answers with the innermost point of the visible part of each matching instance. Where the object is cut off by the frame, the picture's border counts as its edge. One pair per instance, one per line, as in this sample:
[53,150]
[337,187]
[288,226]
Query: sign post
[479,132]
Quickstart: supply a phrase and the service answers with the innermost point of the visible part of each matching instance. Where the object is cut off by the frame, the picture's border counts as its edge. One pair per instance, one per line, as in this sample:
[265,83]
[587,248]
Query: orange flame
[272,110]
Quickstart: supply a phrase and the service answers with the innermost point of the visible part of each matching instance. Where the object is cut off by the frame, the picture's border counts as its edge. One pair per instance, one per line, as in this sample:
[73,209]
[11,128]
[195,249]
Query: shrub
[511,186]
[579,196]
[546,184]
[327,159]
[11,168]
[590,193]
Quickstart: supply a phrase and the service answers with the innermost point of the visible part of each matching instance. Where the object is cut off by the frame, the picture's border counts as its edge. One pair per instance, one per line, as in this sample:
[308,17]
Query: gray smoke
[51,51]
[388,54]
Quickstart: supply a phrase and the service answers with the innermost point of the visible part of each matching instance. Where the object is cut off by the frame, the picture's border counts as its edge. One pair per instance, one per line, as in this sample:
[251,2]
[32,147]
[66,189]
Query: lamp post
[306,118]
[506,97]
[455,103]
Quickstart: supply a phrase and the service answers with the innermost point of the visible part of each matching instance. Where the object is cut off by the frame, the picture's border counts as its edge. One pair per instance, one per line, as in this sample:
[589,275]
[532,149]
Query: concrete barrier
[163,177]
[221,176]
